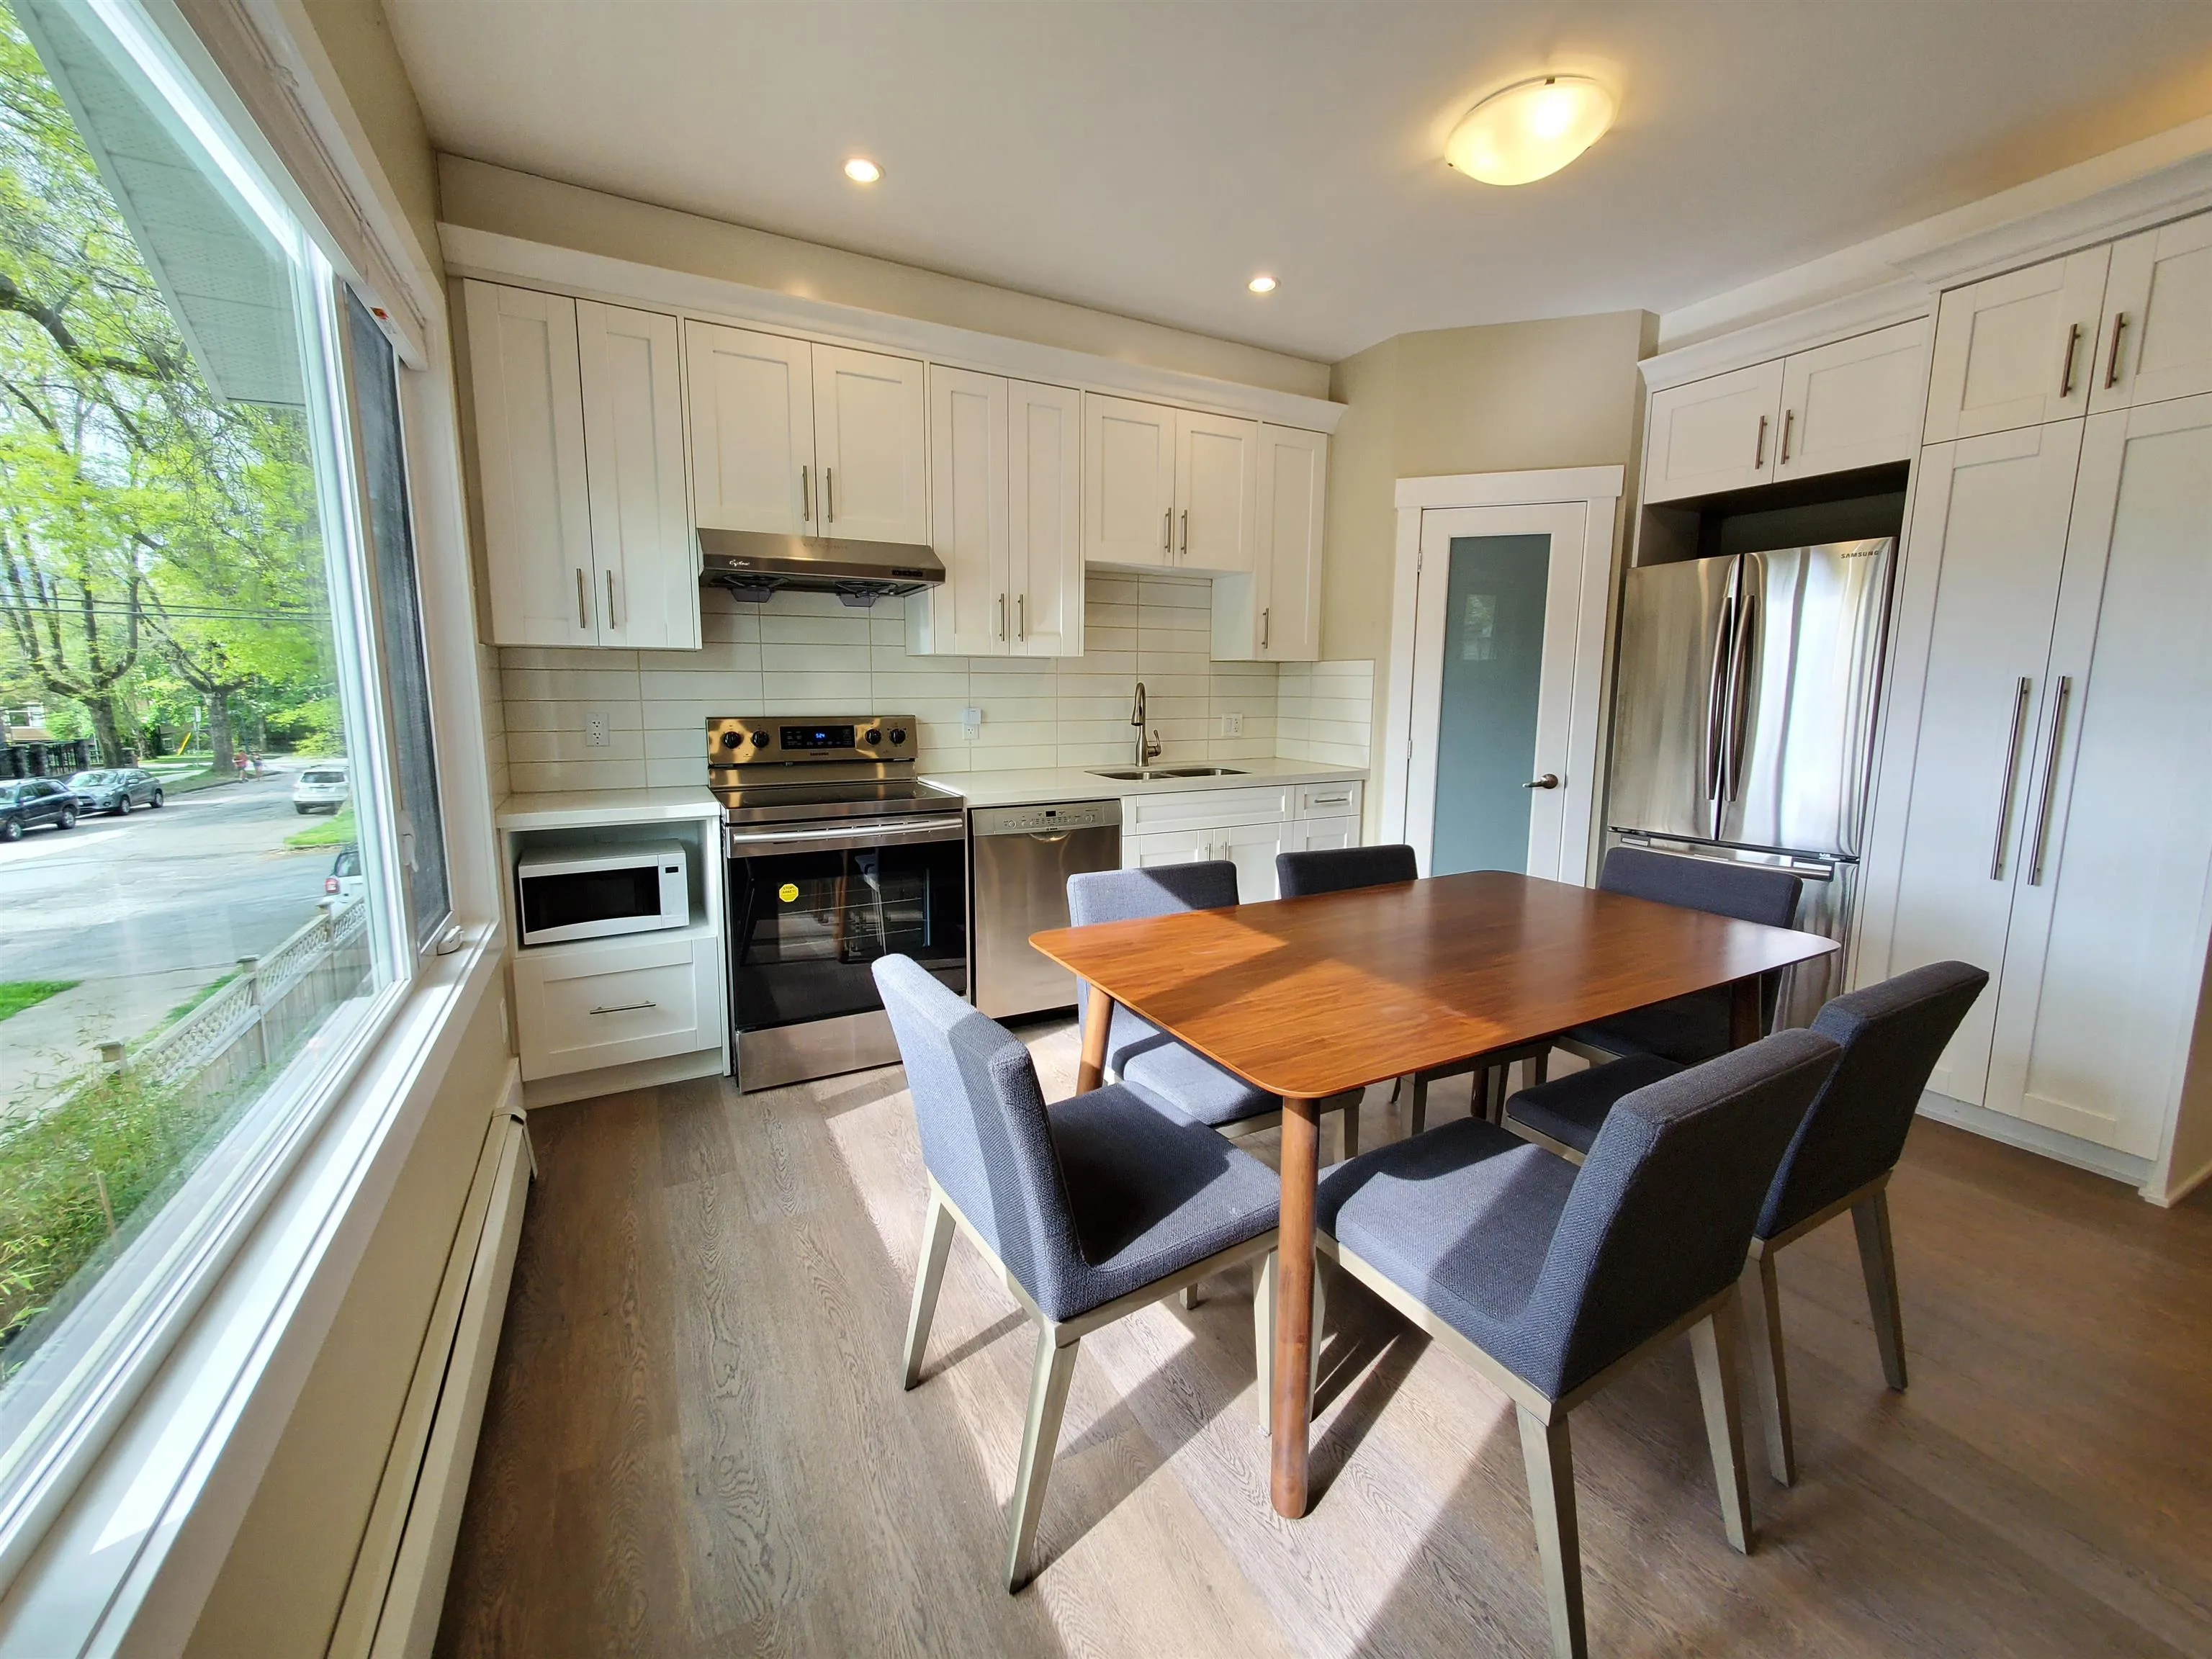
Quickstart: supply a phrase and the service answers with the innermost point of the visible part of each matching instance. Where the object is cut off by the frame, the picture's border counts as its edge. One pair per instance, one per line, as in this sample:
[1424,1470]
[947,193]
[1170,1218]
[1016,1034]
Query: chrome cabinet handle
[1263,626]
[805,499]
[1759,451]
[828,495]
[1167,533]
[2066,369]
[1021,616]
[1185,549]
[1789,416]
[2011,777]
[1549,780]
[2113,363]
[625,1007]
[2049,777]
[613,620]
[1002,615]
[583,599]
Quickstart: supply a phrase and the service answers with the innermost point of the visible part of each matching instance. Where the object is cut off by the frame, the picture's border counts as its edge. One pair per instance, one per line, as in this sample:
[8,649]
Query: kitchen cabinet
[610,1002]
[1274,614]
[870,439]
[1005,491]
[1855,403]
[1216,493]
[1128,481]
[2155,340]
[1713,434]
[2017,349]
[647,579]
[1246,825]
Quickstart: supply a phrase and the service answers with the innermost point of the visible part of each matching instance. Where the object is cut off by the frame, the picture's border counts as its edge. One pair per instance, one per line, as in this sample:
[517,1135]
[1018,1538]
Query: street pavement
[144,911]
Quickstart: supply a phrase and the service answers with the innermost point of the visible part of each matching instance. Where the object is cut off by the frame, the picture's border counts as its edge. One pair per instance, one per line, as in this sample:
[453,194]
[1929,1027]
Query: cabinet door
[1045,517]
[2098,999]
[1856,402]
[646,582]
[1714,435]
[530,464]
[1286,585]
[1252,848]
[1128,481]
[1323,834]
[2156,341]
[752,430]
[1191,846]
[578,1010]
[1216,492]
[2017,349]
[968,615]
[872,437]
[1988,542]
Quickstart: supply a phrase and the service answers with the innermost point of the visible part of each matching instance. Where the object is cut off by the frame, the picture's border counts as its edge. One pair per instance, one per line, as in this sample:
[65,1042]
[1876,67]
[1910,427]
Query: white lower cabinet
[581,1007]
[1323,835]
[1246,826]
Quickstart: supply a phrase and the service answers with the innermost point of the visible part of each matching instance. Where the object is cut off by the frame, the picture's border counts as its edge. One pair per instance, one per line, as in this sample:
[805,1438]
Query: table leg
[1746,1017]
[1294,1333]
[1097,1020]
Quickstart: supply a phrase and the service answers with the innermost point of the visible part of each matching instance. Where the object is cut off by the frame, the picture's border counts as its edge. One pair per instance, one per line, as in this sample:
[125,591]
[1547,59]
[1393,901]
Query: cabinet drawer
[1184,809]
[1327,800]
[1323,834]
[581,1008]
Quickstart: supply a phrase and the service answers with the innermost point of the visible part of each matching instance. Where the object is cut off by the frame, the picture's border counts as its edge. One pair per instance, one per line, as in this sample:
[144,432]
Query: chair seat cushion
[1687,1030]
[1180,1079]
[1460,1218]
[1571,1109]
[1149,1193]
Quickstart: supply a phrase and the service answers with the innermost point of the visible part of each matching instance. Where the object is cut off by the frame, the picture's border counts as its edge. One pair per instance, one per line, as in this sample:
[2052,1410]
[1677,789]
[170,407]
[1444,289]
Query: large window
[219,838]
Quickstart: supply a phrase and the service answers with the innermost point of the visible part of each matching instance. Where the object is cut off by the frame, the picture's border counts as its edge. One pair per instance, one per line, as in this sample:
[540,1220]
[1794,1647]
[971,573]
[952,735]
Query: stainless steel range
[837,854]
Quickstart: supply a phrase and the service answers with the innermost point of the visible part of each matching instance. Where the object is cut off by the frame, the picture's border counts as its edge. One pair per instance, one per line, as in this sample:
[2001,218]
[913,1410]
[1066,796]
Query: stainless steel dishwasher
[1024,856]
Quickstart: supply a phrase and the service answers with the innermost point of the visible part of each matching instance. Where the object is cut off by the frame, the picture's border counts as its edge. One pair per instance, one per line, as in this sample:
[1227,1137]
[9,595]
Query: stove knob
[874,736]
[759,740]
[898,735]
[731,739]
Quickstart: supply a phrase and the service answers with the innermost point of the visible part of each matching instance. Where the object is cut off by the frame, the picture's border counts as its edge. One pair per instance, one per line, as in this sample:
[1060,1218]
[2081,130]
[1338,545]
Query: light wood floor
[697,1444]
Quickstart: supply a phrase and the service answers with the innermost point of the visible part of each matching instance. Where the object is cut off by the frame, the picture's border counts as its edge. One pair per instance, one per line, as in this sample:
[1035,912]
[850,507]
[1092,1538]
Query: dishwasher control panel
[1046,820]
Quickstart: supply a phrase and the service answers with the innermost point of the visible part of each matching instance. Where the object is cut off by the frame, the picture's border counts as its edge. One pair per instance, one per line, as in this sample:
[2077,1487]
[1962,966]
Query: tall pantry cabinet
[2044,807]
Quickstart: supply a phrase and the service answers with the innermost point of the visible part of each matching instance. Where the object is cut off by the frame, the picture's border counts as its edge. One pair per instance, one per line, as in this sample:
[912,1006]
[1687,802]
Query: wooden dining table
[1306,997]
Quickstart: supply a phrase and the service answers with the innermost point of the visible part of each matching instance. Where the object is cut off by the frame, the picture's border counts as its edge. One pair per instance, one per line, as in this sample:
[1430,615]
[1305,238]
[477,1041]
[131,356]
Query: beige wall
[281,1587]
[487,198]
[358,42]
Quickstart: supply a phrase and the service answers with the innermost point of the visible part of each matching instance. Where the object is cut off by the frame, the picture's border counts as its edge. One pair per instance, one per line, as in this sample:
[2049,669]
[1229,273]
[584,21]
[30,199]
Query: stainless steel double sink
[1148,773]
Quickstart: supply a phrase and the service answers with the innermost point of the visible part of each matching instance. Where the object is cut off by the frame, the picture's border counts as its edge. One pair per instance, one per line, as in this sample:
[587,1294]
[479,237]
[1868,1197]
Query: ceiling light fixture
[1531,130]
[1261,285]
[861,171]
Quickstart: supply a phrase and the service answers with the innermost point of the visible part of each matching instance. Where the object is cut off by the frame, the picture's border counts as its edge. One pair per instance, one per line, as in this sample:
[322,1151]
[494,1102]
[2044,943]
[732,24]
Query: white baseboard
[2035,1138]
[2178,1188]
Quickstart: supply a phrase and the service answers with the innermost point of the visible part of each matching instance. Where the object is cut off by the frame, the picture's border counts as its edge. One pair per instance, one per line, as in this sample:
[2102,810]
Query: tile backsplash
[808,654]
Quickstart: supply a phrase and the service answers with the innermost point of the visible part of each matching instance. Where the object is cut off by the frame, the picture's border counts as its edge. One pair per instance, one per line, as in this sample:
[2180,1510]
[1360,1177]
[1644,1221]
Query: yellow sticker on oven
[789,891]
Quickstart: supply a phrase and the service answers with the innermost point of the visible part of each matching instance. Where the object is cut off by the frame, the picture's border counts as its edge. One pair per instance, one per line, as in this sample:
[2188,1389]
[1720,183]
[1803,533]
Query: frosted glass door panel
[1493,671]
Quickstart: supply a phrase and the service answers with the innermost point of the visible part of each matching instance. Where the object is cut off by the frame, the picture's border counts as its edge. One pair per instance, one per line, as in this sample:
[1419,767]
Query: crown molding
[1903,301]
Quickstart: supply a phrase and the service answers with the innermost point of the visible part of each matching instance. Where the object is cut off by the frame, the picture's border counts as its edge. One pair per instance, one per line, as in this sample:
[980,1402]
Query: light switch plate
[1232,726]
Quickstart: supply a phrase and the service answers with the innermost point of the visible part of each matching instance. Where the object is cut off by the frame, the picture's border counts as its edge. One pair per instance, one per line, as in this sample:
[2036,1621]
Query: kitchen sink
[1151,774]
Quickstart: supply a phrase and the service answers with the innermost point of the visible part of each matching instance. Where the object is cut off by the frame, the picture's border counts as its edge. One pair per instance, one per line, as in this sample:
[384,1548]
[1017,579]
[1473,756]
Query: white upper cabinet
[2017,349]
[752,430]
[870,438]
[1275,614]
[1044,518]
[1128,481]
[1216,492]
[2156,341]
[646,582]
[1714,435]
[1856,402]
[530,460]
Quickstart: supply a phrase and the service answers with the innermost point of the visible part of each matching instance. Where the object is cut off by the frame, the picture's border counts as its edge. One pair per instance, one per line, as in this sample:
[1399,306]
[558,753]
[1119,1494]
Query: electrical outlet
[1232,726]
[595,730]
[971,724]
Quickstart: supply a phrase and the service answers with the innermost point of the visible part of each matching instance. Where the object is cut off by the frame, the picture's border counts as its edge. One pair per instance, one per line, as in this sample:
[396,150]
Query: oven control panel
[738,740]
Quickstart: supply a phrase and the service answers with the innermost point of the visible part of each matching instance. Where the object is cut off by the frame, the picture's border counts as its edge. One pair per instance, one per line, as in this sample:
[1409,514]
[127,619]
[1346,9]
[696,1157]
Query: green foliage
[17,994]
[339,829]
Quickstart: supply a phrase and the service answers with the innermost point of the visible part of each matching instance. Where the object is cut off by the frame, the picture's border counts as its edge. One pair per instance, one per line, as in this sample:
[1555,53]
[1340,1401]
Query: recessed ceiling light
[1530,130]
[861,171]
[1261,285]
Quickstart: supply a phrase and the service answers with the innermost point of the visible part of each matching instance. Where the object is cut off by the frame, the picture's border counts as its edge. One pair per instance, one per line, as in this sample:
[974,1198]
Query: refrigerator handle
[1741,679]
[1716,691]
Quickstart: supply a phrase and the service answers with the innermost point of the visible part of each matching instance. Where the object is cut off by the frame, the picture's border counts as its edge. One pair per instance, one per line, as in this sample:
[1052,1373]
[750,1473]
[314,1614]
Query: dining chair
[1339,869]
[1891,1036]
[1551,1281]
[1692,1027]
[1090,1211]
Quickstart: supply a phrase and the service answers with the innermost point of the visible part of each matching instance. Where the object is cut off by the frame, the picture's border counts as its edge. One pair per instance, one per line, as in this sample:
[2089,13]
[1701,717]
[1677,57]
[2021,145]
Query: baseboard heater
[398,1585]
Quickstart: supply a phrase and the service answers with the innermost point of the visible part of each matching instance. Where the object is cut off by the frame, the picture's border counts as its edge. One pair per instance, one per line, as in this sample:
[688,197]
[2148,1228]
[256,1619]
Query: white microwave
[593,892]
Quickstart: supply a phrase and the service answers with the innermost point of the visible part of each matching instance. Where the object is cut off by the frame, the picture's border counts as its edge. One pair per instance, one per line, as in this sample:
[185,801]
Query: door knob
[1549,780]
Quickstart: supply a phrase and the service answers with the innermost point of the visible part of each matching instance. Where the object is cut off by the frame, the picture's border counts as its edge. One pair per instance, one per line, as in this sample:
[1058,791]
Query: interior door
[1989,528]
[2098,996]
[1216,492]
[2017,349]
[872,437]
[1499,617]
[646,578]
[968,511]
[1128,481]
[2156,343]
[1044,518]
[752,430]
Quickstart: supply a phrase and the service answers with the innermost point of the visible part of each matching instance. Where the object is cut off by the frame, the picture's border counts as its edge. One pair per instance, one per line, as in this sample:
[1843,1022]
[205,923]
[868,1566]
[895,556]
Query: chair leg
[1540,1068]
[1713,1341]
[937,1229]
[1417,1115]
[1263,1334]
[1048,1381]
[1762,1306]
[1550,1457]
[1878,1259]
[1493,1094]
[1351,1121]
[1190,1296]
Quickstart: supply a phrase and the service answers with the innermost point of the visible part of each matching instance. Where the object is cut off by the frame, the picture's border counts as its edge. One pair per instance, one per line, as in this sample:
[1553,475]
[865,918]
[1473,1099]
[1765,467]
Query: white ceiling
[1148,159]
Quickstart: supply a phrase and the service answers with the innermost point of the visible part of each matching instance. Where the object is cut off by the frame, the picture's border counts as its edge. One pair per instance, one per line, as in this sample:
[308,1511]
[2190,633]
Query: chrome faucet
[1148,749]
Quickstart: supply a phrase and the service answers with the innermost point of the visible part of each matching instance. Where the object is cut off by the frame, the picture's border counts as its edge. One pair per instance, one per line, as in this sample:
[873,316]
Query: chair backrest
[1891,1036]
[1335,869]
[1661,1215]
[1746,892]
[981,1116]
[1162,891]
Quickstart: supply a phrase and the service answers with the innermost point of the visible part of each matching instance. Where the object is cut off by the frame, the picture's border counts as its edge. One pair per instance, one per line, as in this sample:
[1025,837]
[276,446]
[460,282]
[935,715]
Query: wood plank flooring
[697,1444]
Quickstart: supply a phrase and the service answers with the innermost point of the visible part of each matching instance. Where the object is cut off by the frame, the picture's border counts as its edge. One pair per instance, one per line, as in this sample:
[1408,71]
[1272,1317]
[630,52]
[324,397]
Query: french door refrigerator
[1743,723]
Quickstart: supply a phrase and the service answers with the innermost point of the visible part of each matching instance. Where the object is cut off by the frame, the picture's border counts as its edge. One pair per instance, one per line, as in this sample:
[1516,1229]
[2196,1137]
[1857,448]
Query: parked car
[115,789]
[30,802]
[345,879]
[322,788]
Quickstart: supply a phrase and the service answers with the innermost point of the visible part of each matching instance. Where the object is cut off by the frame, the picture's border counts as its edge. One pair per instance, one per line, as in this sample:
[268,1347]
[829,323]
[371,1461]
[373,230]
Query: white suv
[322,788]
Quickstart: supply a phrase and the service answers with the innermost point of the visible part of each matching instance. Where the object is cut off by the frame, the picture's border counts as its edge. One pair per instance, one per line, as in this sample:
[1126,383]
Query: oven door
[813,907]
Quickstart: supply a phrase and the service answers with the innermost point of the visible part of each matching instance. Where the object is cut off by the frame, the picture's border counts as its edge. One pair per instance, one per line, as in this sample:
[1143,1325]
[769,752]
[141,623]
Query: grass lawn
[17,994]
[334,831]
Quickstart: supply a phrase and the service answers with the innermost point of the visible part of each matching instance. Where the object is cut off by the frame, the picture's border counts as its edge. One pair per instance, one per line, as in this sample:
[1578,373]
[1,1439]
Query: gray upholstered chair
[1552,1280]
[1336,869]
[1091,1212]
[1891,1035]
[1689,1028]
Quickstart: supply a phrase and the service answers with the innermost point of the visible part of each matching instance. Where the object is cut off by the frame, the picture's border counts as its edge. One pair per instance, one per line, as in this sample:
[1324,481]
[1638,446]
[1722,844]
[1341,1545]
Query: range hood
[753,564]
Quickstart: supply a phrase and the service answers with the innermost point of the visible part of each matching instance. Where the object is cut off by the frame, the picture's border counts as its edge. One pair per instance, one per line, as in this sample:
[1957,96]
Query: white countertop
[1058,783]
[584,809]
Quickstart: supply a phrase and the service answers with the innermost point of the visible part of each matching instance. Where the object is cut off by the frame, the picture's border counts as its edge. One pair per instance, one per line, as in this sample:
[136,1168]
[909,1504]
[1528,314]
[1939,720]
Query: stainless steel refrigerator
[1743,722]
